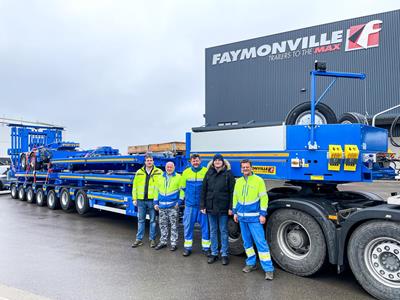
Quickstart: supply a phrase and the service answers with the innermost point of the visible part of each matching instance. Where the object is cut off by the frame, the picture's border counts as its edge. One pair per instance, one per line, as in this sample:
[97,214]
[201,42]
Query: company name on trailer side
[362,36]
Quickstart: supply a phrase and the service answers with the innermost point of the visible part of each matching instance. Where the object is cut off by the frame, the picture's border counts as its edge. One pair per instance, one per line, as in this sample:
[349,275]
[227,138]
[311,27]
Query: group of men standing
[209,195]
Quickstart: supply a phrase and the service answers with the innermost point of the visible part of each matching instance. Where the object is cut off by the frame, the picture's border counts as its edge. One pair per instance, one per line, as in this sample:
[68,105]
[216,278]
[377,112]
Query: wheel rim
[80,201]
[39,197]
[29,195]
[51,199]
[346,122]
[382,257]
[21,193]
[294,240]
[14,191]
[305,118]
[64,199]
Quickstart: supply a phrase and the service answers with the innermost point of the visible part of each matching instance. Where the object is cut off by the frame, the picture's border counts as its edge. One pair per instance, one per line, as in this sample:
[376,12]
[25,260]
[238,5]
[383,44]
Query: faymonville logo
[362,36]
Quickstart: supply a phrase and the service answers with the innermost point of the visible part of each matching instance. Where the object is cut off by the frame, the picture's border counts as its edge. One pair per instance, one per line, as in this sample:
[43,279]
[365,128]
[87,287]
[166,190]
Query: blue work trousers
[191,216]
[254,231]
[221,222]
[143,206]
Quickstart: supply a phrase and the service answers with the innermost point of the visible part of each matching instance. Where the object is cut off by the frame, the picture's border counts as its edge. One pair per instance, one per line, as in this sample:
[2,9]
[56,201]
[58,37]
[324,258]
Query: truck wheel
[30,195]
[14,191]
[374,256]
[82,202]
[52,201]
[65,200]
[352,118]
[297,242]
[235,238]
[301,114]
[40,197]
[21,193]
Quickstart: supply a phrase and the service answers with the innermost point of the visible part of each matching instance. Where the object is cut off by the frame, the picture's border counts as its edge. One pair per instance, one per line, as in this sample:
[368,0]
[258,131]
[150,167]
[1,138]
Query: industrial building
[256,82]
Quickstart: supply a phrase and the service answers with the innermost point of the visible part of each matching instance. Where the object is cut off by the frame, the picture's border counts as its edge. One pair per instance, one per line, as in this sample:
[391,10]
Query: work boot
[173,248]
[137,243]
[248,269]
[225,260]
[152,243]
[186,252]
[212,259]
[269,275]
[160,246]
[206,252]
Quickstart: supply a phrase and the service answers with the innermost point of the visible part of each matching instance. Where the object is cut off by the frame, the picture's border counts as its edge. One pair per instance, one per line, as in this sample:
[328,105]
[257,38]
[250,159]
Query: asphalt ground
[47,254]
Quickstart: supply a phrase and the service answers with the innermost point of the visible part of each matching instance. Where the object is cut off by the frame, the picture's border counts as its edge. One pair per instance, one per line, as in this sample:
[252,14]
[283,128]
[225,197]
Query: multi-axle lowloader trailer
[310,222]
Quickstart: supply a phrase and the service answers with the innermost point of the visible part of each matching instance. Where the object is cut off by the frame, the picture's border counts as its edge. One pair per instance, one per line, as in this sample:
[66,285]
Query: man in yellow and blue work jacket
[191,186]
[166,201]
[143,196]
[250,203]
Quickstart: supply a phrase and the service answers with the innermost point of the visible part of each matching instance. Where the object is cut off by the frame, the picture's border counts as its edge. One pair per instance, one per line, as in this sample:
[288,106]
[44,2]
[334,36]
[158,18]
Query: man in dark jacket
[216,201]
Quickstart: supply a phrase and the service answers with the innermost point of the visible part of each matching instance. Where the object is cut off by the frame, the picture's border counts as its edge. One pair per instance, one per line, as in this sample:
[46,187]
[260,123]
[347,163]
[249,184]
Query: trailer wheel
[82,202]
[297,242]
[353,118]
[40,197]
[14,191]
[65,200]
[374,256]
[301,114]
[52,201]
[235,238]
[30,195]
[21,193]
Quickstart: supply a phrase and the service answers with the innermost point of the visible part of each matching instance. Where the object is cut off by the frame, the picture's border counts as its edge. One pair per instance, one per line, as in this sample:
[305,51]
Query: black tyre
[82,202]
[52,200]
[21,193]
[14,191]
[352,118]
[235,238]
[30,195]
[296,242]
[67,204]
[40,197]
[301,114]
[374,256]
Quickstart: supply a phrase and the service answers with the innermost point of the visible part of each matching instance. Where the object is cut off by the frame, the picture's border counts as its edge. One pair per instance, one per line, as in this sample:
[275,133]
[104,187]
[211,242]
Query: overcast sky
[124,73]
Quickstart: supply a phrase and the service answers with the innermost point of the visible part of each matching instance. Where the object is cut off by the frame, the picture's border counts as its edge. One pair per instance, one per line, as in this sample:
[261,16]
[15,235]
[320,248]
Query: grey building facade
[258,81]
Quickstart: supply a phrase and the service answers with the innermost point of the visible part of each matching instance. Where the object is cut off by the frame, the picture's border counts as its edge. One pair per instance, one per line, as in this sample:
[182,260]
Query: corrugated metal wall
[264,91]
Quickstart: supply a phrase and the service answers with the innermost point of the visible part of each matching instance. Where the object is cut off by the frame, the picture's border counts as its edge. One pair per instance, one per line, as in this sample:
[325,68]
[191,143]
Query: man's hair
[246,161]
[148,155]
[194,156]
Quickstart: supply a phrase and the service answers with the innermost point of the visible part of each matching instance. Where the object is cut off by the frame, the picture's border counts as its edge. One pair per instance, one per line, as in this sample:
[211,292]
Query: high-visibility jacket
[167,190]
[250,199]
[191,184]
[139,183]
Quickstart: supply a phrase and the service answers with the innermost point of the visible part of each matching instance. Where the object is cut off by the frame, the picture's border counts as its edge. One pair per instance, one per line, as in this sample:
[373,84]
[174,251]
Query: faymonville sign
[357,37]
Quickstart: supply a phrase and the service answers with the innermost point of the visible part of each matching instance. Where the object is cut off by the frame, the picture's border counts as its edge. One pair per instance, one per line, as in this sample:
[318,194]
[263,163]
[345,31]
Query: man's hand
[235,218]
[230,212]
[156,207]
[135,202]
[262,219]
[203,211]
[177,206]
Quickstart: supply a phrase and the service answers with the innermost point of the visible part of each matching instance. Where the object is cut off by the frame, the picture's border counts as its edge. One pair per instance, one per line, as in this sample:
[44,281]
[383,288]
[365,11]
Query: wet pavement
[60,255]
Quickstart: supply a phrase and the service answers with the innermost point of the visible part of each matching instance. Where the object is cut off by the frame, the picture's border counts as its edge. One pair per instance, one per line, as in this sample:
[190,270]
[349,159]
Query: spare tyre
[301,114]
[353,118]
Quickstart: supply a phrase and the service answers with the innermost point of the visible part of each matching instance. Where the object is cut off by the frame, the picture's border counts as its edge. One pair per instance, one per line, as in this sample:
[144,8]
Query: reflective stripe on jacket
[139,183]
[250,199]
[167,190]
[191,185]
